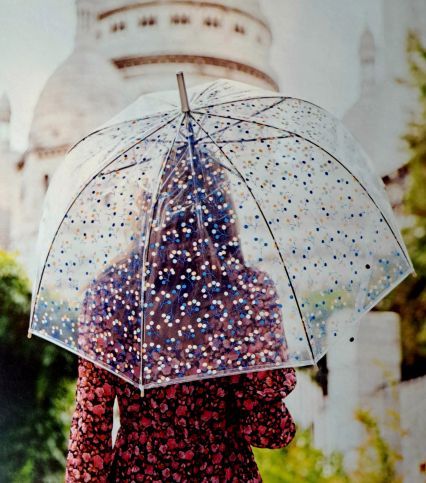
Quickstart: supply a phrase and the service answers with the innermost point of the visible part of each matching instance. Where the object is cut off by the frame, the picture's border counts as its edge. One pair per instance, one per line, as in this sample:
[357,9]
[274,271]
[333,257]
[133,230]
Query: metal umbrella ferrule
[182,92]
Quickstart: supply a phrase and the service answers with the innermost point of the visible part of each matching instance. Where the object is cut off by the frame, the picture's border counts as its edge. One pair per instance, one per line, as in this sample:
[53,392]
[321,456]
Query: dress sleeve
[90,451]
[264,419]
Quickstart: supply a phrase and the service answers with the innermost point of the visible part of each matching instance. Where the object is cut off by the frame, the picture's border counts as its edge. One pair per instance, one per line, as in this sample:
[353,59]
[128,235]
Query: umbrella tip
[182,92]
[29,335]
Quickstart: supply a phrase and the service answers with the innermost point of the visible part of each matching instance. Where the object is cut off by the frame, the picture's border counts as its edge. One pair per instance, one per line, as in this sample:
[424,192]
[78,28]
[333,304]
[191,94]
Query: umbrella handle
[182,92]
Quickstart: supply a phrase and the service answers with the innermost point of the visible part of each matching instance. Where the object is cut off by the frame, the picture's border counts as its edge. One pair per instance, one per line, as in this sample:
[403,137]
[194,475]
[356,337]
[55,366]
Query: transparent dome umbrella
[235,231]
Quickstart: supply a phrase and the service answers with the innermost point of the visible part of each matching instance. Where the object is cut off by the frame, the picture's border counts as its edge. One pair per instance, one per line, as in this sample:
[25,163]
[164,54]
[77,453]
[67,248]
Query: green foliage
[15,297]
[376,460]
[37,388]
[41,441]
[409,298]
[300,462]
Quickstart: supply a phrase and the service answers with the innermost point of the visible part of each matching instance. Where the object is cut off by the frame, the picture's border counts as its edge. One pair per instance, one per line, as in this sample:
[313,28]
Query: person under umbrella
[206,300]
[311,213]
[199,429]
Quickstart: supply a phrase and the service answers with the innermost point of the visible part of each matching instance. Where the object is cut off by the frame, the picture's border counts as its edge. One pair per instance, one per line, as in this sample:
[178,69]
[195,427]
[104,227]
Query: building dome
[151,40]
[83,92]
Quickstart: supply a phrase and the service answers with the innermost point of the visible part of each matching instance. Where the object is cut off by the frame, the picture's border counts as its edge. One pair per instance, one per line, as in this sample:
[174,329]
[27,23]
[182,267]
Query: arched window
[239,29]
[46,181]
[180,19]
[147,21]
[118,26]
[211,22]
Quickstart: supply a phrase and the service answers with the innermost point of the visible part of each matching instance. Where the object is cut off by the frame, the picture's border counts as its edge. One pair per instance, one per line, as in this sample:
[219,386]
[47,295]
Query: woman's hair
[185,285]
[194,227]
[193,247]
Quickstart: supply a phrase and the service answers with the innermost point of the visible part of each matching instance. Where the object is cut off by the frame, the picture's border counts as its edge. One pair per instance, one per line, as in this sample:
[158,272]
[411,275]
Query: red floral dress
[188,432]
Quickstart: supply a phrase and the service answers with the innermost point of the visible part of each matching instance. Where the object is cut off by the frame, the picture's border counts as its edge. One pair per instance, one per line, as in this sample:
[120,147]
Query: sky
[314,54]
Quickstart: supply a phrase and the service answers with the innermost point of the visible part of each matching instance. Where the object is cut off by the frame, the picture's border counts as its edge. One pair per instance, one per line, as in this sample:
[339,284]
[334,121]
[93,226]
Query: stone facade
[10,176]
[124,49]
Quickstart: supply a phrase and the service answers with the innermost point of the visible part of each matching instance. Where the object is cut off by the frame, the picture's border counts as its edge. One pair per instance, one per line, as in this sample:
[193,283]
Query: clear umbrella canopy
[247,233]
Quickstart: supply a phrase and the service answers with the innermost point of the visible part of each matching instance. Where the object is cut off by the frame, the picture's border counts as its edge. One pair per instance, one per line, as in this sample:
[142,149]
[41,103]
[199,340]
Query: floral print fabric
[189,432]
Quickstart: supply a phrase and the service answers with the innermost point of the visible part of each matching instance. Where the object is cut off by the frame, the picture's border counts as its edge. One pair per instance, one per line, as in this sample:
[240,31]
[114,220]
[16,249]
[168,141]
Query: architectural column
[363,374]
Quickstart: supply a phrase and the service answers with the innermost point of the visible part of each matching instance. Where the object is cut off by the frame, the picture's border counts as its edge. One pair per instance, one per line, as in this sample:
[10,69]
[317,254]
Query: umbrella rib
[197,96]
[270,138]
[172,171]
[237,121]
[272,235]
[150,116]
[127,165]
[281,98]
[246,119]
[123,167]
[217,162]
[147,241]
[329,154]
[76,197]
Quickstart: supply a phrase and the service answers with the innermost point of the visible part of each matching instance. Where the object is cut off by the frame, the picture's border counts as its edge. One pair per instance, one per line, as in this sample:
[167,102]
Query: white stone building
[124,49]
[385,106]
[9,174]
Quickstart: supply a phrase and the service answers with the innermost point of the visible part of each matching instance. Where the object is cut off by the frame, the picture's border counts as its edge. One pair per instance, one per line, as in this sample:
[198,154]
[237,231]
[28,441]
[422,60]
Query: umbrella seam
[273,237]
[329,154]
[256,113]
[72,204]
[147,242]
[120,123]
[281,98]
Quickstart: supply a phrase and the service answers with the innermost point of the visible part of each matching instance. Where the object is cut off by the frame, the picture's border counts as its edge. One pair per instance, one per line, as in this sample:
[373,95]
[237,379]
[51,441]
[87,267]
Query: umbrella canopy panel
[246,234]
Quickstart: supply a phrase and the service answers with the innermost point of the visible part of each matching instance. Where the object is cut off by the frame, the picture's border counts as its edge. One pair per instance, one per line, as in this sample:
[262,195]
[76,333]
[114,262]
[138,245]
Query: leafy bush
[300,462]
[376,460]
[37,388]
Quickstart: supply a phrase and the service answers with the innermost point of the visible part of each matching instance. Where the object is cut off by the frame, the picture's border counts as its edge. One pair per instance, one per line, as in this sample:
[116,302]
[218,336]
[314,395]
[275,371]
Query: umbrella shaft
[182,92]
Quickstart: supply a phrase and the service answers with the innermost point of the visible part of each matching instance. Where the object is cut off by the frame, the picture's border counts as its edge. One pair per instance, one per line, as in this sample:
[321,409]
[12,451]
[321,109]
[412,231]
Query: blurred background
[69,65]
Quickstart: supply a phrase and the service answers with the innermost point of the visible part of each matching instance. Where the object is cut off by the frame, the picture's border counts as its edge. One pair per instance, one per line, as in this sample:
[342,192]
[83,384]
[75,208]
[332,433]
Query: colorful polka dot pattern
[250,233]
